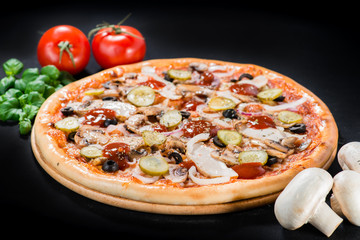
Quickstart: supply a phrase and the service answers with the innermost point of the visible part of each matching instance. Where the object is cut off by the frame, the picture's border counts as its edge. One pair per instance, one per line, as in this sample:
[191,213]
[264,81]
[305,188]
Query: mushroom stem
[325,219]
[335,205]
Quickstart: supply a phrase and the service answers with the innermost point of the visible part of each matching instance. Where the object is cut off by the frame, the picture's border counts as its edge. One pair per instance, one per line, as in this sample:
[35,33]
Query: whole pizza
[183,136]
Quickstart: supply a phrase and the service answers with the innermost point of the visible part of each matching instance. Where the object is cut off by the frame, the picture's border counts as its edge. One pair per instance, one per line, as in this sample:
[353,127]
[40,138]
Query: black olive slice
[67,111]
[110,166]
[298,128]
[109,98]
[246,75]
[230,113]
[110,122]
[177,157]
[218,142]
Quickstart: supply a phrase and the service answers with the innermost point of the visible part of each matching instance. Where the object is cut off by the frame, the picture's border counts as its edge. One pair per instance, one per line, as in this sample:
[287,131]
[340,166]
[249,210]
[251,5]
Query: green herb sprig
[21,98]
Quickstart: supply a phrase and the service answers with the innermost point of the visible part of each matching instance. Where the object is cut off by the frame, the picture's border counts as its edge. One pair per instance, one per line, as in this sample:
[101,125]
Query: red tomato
[66,42]
[113,46]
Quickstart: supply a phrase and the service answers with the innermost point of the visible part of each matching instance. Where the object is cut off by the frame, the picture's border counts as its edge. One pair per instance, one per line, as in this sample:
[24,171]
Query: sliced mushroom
[150,111]
[303,200]
[289,142]
[82,108]
[88,134]
[177,174]
[134,123]
[197,66]
[346,195]
[226,156]
[188,90]
[276,145]
[175,144]
[349,156]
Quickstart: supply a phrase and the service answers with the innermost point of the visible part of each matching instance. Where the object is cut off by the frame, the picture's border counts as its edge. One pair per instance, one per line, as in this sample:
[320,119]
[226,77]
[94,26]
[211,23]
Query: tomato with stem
[114,45]
[66,47]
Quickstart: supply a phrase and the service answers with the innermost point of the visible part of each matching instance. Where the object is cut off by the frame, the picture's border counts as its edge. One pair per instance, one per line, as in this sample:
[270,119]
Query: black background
[317,45]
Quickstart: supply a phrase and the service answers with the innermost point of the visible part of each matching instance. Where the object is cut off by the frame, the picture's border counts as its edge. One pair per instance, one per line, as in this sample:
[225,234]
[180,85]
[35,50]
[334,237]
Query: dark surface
[316,46]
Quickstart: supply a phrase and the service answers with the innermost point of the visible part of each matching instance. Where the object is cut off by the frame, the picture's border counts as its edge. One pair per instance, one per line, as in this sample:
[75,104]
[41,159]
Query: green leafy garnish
[21,97]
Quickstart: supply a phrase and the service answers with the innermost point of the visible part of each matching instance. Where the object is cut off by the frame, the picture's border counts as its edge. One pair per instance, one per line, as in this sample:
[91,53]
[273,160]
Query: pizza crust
[53,157]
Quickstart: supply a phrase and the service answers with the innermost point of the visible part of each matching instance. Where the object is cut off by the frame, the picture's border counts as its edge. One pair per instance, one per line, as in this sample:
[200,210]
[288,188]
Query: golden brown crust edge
[212,194]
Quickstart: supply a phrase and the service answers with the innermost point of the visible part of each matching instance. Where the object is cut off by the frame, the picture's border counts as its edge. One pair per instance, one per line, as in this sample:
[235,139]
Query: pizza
[183,133]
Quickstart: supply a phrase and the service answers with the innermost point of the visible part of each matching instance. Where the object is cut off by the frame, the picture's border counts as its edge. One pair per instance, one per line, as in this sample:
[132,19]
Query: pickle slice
[289,117]
[154,166]
[153,138]
[221,103]
[179,74]
[229,137]
[68,124]
[253,156]
[94,92]
[171,118]
[141,96]
[90,152]
[269,94]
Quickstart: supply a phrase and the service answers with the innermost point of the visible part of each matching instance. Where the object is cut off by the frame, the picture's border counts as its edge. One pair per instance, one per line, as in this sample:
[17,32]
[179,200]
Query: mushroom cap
[346,190]
[349,156]
[302,196]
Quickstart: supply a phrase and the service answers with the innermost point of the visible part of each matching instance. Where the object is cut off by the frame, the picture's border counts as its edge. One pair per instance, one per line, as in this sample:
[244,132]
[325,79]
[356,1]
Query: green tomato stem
[65,45]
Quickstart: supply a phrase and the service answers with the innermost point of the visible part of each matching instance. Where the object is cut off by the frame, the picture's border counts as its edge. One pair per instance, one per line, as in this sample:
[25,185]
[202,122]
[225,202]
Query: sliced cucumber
[68,124]
[141,96]
[153,138]
[171,118]
[253,156]
[289,117]
[94,92]
[269,94]
[229,137]
[90,152]
[221,103]
[154,166]
[179,74]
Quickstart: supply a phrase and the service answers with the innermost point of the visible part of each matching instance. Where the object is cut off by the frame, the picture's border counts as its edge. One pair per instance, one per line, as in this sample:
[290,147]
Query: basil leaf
[37,86]
[6,83]
[25,126]
[10,110]
[20,84]
[51,71]
[12,67]
[12,93]
[35,99]
[30,74]
[48,91]
[28,112]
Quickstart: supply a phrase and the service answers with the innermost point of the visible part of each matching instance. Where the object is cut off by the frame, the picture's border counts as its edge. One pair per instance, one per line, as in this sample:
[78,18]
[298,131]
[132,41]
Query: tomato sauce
[206,79]
[153,84]
[191,105]
[118,152]
[260,122]
[244,89]
[193,128]
[97,117]
[249,170]
[159,128]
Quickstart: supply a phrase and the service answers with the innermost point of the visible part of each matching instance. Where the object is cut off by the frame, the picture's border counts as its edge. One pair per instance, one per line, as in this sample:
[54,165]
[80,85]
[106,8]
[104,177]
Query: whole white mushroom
[346,195]
[349,156]
[303,201]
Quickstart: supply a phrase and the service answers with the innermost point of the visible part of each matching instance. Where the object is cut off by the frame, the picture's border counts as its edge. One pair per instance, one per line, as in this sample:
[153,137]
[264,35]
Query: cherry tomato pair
[68,48]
